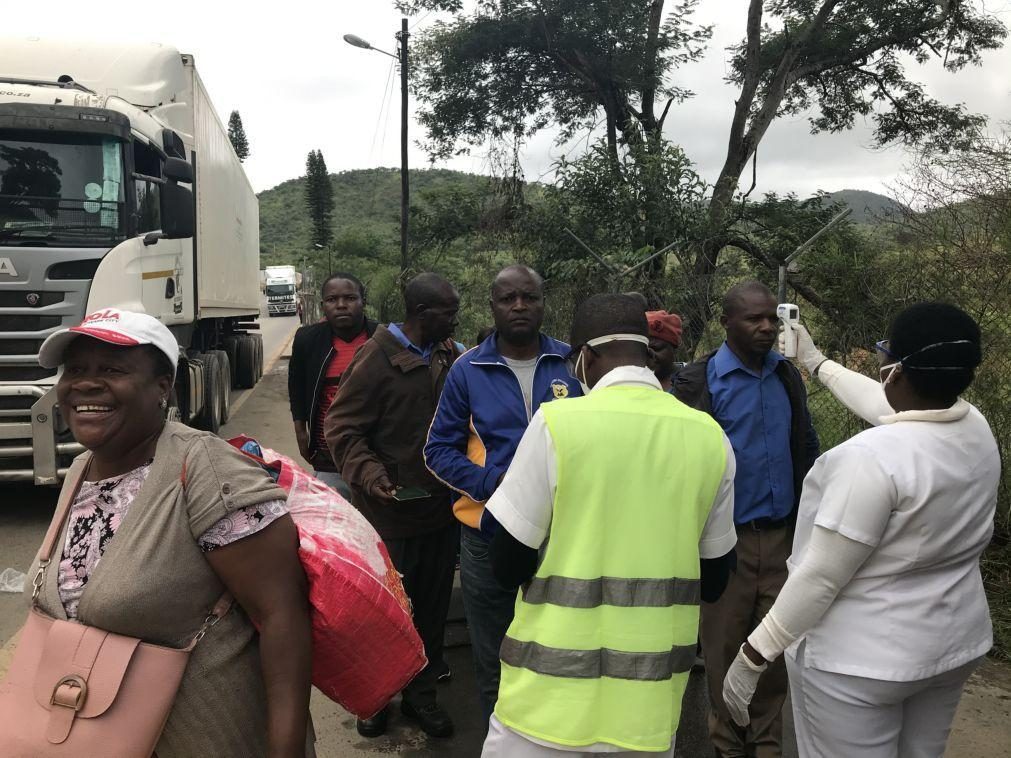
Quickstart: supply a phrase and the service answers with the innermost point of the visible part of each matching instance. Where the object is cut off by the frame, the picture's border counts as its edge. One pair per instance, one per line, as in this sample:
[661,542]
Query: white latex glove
[808,355]
[739,686]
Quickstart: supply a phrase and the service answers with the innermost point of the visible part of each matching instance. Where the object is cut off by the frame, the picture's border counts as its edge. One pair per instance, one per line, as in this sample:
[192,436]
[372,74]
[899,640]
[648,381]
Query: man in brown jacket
[376,430]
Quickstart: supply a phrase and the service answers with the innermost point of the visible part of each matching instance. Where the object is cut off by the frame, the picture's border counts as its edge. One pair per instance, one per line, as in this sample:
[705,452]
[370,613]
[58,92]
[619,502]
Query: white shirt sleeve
[719,534]
[523,502]
[861,394]
[857,495]
[829,563]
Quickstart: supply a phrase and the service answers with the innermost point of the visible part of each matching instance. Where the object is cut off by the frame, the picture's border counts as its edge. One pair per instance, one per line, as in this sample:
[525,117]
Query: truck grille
[15,299]
[9,323]
[24,373]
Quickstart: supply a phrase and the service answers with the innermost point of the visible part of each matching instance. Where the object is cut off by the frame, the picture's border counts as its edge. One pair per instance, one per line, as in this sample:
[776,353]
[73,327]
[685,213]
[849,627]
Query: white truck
[118,188]
[281,288]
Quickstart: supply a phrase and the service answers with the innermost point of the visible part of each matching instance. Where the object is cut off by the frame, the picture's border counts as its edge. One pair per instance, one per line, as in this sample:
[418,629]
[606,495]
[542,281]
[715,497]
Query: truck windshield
[60,189]
[274,290]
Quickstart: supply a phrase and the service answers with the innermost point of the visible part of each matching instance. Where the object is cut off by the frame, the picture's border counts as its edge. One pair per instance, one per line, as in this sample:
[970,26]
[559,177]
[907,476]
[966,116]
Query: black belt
[764,524]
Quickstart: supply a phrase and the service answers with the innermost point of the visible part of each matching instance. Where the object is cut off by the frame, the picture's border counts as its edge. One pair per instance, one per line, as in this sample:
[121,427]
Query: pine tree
[318,197]
[237,136]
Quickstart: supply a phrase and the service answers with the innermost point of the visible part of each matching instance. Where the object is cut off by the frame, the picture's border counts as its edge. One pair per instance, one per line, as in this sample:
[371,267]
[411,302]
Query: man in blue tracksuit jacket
[490,395]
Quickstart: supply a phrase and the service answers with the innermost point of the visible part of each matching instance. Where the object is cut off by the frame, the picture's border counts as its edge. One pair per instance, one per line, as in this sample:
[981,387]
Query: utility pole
[405,189]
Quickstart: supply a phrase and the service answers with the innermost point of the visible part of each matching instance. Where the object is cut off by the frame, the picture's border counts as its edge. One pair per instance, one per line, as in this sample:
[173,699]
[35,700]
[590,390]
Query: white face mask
[891,374]
[579,370]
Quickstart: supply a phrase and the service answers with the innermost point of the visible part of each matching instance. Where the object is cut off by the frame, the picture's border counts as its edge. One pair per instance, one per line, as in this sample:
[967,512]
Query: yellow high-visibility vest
[604,635]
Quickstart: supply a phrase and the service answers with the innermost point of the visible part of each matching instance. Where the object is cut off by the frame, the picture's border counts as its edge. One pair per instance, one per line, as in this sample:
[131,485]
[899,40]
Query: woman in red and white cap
[166,519]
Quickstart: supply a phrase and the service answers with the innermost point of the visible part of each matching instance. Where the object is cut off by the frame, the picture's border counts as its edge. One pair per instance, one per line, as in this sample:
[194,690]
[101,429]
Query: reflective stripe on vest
[593,664]
[610,590]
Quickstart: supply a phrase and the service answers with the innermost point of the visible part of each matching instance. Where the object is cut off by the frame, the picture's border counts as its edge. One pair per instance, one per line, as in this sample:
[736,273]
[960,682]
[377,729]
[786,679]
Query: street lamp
[357,41]
[329,265]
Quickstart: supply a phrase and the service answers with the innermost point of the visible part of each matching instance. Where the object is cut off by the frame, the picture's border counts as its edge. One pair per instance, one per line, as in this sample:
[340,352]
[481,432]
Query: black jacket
[310,354]
[691,387]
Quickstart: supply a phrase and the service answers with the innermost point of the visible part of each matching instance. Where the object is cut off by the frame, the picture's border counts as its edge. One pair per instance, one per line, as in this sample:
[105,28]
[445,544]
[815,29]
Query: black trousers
[427,563]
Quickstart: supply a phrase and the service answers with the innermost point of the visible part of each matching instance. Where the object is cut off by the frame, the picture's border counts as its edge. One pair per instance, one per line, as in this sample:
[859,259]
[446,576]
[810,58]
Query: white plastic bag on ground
[12,580]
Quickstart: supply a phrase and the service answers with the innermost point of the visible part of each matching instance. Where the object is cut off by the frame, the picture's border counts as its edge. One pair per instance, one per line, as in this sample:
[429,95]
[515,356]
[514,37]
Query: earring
[163,403]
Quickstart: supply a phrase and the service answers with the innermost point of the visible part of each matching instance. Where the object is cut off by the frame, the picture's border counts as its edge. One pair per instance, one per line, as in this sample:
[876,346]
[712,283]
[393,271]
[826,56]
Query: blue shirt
[754,411]
[424,352]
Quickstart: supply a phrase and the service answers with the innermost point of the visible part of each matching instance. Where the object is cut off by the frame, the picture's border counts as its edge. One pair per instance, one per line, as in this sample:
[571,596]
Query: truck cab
[100,206]
[280,289]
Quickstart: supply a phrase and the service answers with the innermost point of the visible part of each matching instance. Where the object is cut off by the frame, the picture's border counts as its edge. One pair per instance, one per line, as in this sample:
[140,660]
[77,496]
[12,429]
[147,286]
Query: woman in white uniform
[884,617]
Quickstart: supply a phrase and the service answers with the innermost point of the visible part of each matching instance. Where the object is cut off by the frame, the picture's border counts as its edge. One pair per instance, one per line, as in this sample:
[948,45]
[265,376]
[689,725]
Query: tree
[514,67]
[318,198]
[237,136]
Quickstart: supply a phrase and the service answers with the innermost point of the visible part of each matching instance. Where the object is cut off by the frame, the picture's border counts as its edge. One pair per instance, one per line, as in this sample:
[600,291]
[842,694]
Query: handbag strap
[66,499]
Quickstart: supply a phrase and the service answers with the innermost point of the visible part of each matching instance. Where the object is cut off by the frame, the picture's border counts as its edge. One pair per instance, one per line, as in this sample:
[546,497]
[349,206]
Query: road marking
[267,368]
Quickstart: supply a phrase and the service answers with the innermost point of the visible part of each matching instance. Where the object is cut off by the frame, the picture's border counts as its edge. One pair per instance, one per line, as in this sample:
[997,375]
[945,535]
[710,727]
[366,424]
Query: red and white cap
[116,327]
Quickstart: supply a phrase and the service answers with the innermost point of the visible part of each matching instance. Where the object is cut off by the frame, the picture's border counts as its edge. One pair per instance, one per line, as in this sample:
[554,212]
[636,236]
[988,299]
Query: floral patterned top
[99,509]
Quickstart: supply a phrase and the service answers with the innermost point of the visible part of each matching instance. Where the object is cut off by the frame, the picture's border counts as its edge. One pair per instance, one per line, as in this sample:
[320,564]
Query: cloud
[300,87]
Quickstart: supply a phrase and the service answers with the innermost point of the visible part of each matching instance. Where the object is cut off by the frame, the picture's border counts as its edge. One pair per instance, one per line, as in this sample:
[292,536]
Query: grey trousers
[726,624]
[841,715]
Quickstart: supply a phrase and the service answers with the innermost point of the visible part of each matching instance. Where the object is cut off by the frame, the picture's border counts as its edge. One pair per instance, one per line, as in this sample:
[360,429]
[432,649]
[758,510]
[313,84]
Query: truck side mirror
[177,170]
[177,221]
[173,143]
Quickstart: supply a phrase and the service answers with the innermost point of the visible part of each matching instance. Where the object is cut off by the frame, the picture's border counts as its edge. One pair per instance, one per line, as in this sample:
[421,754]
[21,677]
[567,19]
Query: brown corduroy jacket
[378,425]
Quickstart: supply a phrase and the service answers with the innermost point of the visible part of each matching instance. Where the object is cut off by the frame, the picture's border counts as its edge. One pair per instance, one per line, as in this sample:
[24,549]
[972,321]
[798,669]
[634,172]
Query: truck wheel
[245,362]
[210,417]
[225,385]
[231,345]
[258,340]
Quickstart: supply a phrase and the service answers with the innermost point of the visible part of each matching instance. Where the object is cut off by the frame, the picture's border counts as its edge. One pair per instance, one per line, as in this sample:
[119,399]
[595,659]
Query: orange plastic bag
[365,648]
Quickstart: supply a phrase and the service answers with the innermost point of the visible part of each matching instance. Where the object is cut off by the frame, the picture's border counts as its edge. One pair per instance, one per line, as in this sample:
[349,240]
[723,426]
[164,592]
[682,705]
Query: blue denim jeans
[333,480]
[489,609]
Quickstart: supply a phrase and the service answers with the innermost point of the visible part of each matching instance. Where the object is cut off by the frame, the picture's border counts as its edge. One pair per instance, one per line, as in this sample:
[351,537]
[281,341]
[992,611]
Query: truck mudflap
[28,433]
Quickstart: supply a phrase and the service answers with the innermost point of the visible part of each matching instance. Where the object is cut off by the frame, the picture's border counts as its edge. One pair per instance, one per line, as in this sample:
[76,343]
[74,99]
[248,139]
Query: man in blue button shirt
[758,397]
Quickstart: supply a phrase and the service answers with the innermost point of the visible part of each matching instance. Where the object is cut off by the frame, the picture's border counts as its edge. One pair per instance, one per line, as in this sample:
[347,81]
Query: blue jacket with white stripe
[482,416]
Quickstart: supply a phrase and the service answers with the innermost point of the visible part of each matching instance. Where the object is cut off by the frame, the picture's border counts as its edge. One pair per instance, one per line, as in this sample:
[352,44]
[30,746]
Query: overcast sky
[298,87]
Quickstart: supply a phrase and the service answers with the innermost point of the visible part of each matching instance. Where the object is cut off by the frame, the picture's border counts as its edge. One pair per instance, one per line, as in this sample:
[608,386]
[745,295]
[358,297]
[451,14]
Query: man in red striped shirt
[320,354]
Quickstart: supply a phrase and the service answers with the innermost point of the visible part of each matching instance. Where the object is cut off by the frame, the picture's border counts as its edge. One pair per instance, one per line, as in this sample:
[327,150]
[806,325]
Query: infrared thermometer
[789,315]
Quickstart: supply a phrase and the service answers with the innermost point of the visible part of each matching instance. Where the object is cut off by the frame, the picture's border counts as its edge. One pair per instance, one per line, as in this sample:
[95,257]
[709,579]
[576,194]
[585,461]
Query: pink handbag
[76,690]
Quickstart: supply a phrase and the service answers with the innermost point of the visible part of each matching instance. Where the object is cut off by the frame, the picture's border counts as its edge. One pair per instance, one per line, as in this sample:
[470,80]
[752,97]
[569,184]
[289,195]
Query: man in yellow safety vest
[616,518]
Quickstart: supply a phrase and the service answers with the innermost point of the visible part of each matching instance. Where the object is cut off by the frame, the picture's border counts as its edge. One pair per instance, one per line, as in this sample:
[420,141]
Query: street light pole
[329,250]
[405,188]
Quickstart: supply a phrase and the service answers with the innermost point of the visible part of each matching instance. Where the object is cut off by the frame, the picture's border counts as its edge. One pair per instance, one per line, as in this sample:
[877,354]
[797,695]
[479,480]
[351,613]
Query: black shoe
[373,727]
[442,672]
[433,721]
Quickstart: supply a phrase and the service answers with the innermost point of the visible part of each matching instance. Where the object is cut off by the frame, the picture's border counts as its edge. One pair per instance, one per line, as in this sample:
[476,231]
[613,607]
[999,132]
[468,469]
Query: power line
[382,106]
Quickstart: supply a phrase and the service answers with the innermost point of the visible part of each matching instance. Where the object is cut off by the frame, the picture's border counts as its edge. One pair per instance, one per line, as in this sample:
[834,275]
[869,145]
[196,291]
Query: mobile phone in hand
[402,494]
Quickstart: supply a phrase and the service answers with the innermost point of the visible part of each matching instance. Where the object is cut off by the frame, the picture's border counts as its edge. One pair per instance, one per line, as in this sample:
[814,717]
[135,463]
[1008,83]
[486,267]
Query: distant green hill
[868,207]
[367,199]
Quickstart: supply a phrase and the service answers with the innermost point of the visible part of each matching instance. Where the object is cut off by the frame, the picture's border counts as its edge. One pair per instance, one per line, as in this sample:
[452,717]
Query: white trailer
[118,188]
